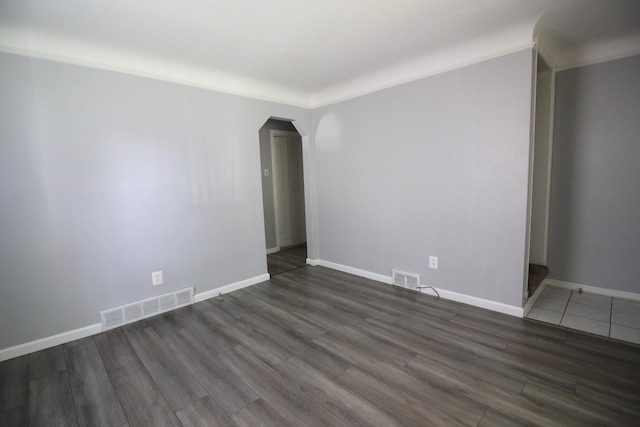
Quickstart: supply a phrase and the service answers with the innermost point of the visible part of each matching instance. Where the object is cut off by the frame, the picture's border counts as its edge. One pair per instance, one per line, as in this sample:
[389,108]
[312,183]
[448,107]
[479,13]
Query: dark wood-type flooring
[318,347]
[287,259]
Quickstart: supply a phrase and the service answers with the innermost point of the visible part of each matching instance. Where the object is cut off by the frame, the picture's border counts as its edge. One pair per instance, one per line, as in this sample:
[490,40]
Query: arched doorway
[283,196]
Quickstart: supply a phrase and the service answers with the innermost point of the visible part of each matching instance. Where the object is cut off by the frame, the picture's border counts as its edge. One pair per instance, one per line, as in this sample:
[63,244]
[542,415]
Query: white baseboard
[355,271]
[532,299]
[52,341]
[65,337]
[499,307]
[453,296]
[313,262]
[230,288]
[273,250]
[593,289]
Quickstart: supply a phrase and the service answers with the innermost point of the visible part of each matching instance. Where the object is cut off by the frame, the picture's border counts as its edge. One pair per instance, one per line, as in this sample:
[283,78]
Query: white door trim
[273,134]
[549,153]
[539,53]
[550,158]
[529,212]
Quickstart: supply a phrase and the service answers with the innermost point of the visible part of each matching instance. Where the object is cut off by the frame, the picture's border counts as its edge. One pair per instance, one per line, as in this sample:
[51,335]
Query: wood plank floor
[287,259]
[319,347]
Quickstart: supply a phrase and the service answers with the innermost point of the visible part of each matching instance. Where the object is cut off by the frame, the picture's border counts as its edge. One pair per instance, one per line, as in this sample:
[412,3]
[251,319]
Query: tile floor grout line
[608,321]
[565,308]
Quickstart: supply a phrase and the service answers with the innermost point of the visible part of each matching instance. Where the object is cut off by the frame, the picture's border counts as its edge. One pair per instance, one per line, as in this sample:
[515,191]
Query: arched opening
[283,196]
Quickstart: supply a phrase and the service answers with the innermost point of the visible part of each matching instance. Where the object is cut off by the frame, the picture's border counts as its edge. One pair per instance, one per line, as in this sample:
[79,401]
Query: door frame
[272,135]
[539,52]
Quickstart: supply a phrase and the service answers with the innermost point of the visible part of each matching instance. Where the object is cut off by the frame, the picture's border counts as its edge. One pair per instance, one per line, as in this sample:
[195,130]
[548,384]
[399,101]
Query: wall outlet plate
[433,262]
[156,278]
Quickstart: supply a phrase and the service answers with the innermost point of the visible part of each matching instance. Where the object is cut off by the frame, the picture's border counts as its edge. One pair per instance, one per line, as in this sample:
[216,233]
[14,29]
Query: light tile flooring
[597,314]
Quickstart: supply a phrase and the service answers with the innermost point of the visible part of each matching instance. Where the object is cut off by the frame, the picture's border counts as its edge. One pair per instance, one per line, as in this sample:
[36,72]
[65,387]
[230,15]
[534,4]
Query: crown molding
[596,53]
[446,59]
[49,47]
[77,52]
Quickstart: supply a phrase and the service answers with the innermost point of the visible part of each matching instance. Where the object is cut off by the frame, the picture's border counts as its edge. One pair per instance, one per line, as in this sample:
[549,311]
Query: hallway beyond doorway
[287,259]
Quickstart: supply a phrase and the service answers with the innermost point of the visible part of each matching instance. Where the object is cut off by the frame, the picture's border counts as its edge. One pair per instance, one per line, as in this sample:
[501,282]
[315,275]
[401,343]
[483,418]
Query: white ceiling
[311,52]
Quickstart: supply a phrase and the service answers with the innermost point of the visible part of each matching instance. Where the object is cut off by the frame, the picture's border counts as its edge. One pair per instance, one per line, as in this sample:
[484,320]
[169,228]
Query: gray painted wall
[267,181]
[594,231]
[434,167]
[107,177]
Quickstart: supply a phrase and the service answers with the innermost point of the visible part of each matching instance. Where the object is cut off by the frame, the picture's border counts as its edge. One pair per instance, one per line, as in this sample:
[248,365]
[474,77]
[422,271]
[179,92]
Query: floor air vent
[129,313]
[406,280]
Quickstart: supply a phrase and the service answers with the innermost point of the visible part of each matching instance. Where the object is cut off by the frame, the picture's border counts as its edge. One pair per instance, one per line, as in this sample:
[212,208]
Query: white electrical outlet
[433,262]
[156,278]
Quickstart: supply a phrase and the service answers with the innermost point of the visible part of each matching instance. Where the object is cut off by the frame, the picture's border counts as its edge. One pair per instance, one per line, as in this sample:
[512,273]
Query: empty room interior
[286,213]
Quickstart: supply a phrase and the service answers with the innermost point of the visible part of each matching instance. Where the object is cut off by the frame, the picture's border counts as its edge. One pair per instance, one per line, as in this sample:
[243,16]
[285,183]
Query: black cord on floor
[430,287]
